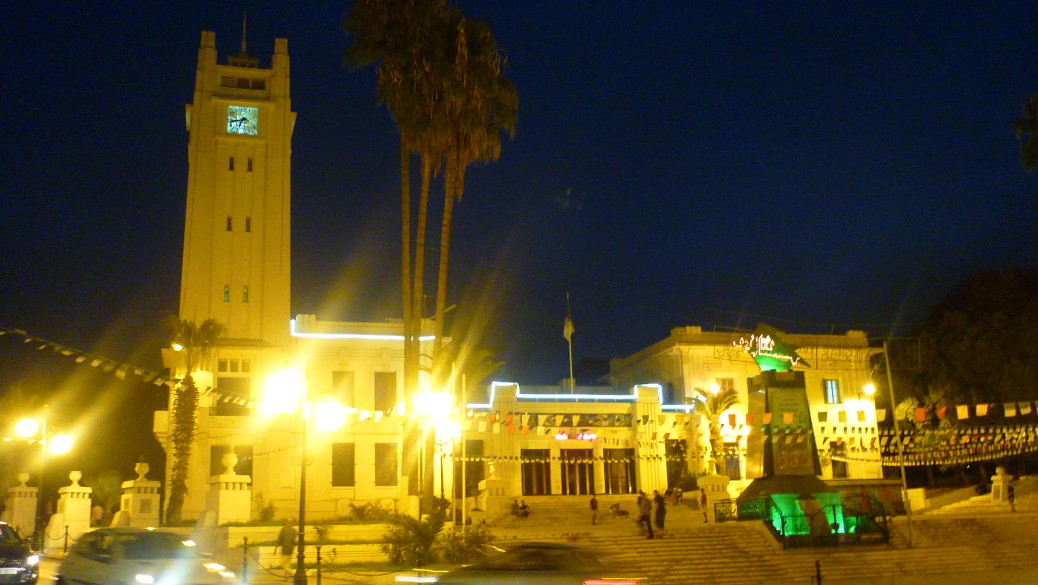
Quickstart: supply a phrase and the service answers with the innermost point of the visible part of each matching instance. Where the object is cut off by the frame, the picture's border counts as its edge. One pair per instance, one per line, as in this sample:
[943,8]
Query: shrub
[264,510]
[457,546]
[409,541]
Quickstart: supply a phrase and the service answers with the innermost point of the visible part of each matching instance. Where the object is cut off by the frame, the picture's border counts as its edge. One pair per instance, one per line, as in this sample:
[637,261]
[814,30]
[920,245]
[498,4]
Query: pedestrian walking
[594,509]
[661,512]
[286,542]
[702,502]
[1012,495]
[645,513]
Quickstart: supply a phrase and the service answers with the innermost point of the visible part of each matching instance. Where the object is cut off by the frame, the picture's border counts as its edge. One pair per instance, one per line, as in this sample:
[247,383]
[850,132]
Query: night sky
[816,166]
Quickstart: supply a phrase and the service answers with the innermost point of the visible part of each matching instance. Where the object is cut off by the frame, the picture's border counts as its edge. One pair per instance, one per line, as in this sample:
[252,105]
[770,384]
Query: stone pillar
[72,517]
[1000,485]
[716,488]
[21,506]
[230,496]
[139,504]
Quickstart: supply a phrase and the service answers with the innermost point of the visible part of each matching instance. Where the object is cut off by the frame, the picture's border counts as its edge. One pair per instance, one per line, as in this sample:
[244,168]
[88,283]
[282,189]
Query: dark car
[538,563]
[18,564]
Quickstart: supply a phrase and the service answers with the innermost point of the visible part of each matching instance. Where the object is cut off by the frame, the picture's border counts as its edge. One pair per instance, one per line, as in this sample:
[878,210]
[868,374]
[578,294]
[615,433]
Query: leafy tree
[980,343]
[195,342]
[1026,129]
[714,403]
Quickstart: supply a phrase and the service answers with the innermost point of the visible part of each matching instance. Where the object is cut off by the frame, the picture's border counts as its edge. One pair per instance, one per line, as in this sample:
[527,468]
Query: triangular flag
[941,411]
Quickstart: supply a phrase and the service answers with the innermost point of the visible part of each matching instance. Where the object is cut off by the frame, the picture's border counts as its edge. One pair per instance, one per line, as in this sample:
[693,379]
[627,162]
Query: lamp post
[59,444]
[285,391]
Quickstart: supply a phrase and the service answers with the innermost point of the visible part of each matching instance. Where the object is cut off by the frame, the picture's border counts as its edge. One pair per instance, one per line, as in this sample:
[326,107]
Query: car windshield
[535,558]
[153,545]
[8,535]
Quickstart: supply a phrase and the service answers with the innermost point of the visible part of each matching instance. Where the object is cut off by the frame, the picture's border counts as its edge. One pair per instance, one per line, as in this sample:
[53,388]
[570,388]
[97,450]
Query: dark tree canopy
[980,343]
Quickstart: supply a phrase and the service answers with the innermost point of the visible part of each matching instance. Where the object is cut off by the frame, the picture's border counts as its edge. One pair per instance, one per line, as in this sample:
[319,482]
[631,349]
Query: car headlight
[32,560]
[145,578]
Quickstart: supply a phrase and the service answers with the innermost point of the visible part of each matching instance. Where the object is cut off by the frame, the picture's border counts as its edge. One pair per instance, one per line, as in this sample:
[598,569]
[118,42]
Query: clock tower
[236,263]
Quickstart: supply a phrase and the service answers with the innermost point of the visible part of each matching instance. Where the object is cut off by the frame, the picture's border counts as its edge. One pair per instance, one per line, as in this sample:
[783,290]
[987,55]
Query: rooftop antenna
[244,29]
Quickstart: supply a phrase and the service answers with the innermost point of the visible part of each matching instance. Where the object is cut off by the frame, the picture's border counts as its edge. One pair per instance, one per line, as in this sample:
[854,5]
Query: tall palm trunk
[181,437]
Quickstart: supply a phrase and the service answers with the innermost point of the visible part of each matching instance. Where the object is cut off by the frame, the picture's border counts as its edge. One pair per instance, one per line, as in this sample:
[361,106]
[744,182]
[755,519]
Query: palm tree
[194,342]
[482,102]
[1026,129]
[714,402]
[448,100]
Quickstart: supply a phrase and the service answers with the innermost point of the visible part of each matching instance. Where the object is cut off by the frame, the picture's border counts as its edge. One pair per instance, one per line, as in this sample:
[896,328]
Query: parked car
[138,556]
[538,563]
[18,564]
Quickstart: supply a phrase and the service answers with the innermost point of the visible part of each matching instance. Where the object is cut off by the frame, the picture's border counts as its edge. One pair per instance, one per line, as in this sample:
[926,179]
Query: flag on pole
[567,327]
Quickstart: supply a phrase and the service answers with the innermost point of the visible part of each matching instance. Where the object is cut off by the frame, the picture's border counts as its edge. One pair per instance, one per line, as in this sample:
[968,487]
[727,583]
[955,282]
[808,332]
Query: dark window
[230,165]
[228,223]
[578,477]
[245,294]
[838,455]
[474,471]
[242,467]
[343,465]
[731,461]
[385,390]
[677,463]
[237,387]
[248,224]
[342,388]
[249,169]
[226,294]
[385,464]
[536,471]
[619,471]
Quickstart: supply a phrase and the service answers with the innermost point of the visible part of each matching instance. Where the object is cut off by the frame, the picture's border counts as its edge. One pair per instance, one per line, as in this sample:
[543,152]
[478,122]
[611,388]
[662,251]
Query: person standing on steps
[702,502]
[1012,495]
[594,509]
[661,511]
[645,513]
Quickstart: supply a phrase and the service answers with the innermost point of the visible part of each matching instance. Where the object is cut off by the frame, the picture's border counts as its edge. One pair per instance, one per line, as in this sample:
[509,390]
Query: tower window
[245,294]
[248,224]
[228,223]
[226,293]
[832,391]
[250,165]
[230,165]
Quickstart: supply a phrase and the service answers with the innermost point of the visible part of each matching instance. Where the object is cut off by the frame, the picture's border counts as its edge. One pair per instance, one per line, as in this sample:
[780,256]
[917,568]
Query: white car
[138,556]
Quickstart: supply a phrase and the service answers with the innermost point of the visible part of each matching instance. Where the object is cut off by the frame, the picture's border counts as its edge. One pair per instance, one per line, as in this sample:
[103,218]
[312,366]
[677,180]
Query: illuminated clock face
[242,120]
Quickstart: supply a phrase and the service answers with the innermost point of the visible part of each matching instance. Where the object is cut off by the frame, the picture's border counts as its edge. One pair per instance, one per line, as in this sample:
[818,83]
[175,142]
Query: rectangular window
[342,388]
[221,365]
[245,294]
[230,165]
[832,391]
[246,366]
[244,82]
[226,293]
[578,477]
[385,390]
[259,84]
[249,169]
[725,384]
[248,224]
[343,465]
[619,471]
[235,365]
[838,455]
[535,469]
[227,81]
[236,388]
[228,223]
[385,464]
[474,471]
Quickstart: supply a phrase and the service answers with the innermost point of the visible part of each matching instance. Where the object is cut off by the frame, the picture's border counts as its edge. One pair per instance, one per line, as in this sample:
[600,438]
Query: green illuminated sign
[769,351]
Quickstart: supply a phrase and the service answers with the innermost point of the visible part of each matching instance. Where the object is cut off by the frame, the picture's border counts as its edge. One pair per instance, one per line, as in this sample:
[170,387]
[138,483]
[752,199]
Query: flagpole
[567,332]
[900,447]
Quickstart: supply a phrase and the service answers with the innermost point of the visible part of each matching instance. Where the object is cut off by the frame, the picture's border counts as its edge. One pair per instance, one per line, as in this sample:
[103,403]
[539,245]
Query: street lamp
[285,392]
[29,428]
